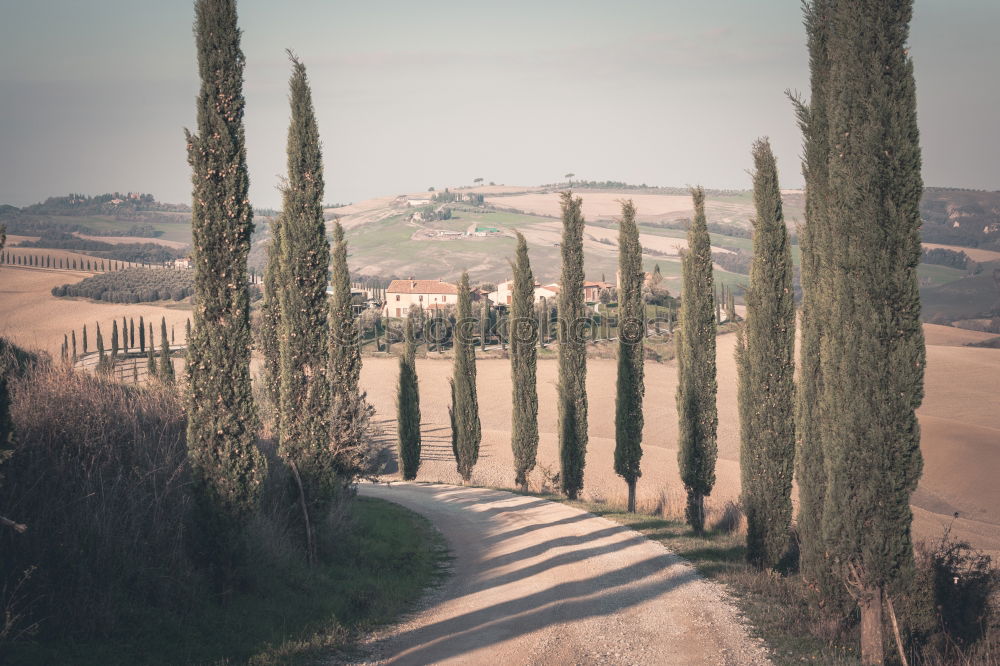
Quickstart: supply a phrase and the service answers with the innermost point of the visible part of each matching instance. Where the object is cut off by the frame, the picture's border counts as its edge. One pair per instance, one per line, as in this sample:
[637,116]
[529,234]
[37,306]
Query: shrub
[98,475]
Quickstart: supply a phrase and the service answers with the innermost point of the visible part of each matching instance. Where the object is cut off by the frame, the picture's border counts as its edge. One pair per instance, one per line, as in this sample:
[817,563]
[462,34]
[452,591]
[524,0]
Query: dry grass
[35,319]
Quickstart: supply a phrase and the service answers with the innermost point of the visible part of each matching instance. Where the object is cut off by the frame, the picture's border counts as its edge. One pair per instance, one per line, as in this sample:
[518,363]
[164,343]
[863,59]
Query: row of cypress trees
[47,261]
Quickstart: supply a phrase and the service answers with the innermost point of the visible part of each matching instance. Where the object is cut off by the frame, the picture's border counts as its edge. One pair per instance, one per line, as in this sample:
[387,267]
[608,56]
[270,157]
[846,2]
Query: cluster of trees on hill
[113,203]
[133,285]
[944,257]
[737,261]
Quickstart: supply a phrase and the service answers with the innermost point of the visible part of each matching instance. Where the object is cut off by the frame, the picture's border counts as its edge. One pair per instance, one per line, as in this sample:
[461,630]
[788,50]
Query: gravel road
[539,582]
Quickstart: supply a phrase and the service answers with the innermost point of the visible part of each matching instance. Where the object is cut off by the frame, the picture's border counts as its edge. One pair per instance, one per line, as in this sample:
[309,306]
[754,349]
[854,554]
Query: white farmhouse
[428,294]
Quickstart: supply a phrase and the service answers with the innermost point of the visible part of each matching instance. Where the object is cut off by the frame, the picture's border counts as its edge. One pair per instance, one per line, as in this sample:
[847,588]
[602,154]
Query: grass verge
[386,559]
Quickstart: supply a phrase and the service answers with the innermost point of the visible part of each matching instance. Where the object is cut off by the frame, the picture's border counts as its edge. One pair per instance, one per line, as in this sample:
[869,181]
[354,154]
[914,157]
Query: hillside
[424,234]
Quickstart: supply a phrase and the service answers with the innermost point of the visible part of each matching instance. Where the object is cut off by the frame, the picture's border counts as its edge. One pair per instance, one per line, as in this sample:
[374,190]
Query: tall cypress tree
[572,351]
[131,332]
[124,334]
[408,405]
[814,239]
[523,331]
[74,346]
[765,360]
[222,421]
[873,359]
[696,381]
[114,341]
[304,340]
[270,322]
[166,371]
[150,355]
[631,387]
[85,350]
[102,360]
[345,350]
[467,431]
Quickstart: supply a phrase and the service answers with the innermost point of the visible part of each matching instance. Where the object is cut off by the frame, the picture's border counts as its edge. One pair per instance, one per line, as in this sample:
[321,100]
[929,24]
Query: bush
[99,475]
[133,285]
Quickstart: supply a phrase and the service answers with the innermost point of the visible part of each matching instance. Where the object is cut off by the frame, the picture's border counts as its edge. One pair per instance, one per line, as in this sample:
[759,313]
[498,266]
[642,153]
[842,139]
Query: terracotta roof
[421,287]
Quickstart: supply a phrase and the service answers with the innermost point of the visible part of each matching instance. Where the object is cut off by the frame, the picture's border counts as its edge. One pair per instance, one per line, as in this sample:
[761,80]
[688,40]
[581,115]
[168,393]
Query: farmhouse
[504,293]
[428,294]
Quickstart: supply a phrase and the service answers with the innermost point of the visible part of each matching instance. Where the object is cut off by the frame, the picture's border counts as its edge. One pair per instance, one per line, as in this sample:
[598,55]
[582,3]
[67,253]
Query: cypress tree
[142,335]
[810,469]
[696,381]
[572,351]
[631,387]
[166,371]
[150,355]
[114,341]
[523,331]
[873,360]
[270,321]
[101,360]
[74,346]
[765,360]
[131,332]
[227,468]
[85,350]
[345,344]
[303,346]
[466,429]
[408,406]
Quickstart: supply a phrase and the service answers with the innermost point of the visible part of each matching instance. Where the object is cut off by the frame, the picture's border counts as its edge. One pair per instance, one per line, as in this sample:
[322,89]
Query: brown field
[961,433]
[120,240]
[35,319]
[961,425]
[597,204]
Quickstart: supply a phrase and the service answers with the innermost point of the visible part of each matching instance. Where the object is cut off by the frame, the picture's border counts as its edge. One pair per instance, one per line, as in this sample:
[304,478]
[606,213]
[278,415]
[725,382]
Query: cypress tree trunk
[303,347]
[873,359]
[765,360]
[696,382]
[631,387]
[226,466]
[523,332]
[813,242]
[408,406]
[467,432]
[572,351]
[166,372]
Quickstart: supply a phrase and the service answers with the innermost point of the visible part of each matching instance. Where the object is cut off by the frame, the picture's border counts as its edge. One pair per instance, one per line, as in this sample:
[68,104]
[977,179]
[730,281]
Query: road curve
[539,582]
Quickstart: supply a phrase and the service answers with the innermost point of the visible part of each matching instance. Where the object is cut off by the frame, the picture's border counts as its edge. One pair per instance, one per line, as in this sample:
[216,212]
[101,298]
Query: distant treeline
[150,253]
[111,203]
[944,257]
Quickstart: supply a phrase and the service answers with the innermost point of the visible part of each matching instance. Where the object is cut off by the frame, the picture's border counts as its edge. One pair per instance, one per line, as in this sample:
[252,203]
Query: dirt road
[537,582]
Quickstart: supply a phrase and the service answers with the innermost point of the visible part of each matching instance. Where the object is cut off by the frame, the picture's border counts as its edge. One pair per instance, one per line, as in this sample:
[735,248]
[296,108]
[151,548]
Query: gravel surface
[539,582]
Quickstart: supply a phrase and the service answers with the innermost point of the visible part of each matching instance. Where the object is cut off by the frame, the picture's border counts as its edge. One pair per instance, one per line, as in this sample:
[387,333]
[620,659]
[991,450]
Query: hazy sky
[94,95]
